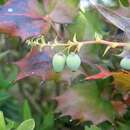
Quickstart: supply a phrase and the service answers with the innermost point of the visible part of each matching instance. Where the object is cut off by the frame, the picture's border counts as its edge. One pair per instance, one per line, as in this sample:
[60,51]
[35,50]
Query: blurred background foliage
[31,97]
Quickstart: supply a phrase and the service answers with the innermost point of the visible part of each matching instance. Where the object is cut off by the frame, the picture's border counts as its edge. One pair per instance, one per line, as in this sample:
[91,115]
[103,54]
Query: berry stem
[79,45]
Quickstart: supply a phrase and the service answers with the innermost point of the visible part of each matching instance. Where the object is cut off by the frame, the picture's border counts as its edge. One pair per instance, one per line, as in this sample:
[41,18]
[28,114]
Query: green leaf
[48,117]
[73,3]
[4,54]
[2,1]
[3,82]
[2,122]
[11,109]
[4,96]
[10,124]
[27,125]
[85,25]
[105,126]
[26,111]
[124,2]
[123,126]
[12,75]
[48,122]
[92,128]
[78,27]
[6,81]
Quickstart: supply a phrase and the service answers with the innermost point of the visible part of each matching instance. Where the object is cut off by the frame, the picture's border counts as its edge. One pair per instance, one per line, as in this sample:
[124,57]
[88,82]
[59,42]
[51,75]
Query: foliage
[92,128]
[85,88]
[93,106]
[28,124]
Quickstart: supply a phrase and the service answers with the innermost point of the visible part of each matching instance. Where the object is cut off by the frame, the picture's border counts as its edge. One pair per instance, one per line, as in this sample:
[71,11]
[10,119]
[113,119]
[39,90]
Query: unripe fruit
[109,3]
[58,62]
[73,61]
[125,63]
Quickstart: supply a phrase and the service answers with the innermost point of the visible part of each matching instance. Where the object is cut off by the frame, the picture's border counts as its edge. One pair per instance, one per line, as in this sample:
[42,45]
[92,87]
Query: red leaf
[127,100]
[102,75]
[22,18]
[35,63]
[120,107]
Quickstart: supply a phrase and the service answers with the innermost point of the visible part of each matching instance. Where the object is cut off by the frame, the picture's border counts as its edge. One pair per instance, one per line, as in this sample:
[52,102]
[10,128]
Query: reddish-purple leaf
[61,11]
[36,63]
[115,18]
[22,18]
[127,100]
[83,101]
[61,14]
[120,107]
[103,74]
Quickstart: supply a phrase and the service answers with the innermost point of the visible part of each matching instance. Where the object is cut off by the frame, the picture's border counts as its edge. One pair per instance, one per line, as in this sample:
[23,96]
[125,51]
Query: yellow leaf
[122,80]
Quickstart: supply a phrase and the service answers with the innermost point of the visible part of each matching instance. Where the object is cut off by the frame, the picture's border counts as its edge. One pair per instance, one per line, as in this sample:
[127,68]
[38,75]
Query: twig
[108,43]
[79,45]
[119,44]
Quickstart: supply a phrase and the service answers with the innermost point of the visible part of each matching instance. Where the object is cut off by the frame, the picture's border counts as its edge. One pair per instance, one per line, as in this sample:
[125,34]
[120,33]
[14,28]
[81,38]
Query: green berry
[109,3]
[125,63]
[73,61]
[58,62]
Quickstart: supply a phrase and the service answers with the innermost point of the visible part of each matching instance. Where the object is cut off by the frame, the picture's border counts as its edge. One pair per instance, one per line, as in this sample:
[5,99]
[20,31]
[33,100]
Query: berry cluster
[72,61]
